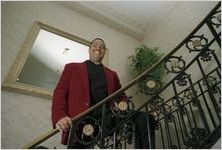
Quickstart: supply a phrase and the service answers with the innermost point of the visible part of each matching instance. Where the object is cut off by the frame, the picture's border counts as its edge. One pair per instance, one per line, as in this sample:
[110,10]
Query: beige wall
[26,117]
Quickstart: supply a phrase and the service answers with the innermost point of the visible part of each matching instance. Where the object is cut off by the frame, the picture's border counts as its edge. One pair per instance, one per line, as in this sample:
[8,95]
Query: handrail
[127,86]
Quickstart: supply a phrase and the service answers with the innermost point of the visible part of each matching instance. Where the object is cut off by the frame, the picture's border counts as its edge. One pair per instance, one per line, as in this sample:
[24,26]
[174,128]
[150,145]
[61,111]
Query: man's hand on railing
[64,123]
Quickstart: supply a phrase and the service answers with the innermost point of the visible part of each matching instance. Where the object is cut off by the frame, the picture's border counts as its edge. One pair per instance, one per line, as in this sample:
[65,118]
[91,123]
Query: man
[81,86]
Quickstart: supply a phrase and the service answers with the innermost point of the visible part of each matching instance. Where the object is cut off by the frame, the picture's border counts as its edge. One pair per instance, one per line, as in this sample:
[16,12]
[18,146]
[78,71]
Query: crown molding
[107,19]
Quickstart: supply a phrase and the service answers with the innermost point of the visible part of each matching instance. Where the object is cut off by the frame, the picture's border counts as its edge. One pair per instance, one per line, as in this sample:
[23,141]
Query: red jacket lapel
[84,78]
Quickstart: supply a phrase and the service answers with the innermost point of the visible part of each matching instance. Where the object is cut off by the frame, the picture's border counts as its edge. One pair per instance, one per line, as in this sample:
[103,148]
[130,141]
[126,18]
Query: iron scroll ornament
[122,109]
[197,43]
[174,64]
[216,19]
[87,130]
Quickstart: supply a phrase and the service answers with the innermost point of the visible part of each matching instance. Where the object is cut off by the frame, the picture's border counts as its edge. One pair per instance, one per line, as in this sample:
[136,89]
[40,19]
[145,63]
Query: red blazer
[71,95]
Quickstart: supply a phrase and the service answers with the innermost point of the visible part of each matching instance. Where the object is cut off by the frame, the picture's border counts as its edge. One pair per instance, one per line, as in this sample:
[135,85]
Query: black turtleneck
[97,82]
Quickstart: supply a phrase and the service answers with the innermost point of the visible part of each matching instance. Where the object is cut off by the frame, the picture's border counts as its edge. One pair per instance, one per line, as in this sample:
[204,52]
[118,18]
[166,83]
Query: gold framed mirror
[40,62]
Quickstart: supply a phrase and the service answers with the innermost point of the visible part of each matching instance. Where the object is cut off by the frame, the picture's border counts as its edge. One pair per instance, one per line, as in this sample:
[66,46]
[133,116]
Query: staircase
[185,107]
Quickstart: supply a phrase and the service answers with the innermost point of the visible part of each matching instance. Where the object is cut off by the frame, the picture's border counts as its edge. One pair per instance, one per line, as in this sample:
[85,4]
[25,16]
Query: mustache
[97,51]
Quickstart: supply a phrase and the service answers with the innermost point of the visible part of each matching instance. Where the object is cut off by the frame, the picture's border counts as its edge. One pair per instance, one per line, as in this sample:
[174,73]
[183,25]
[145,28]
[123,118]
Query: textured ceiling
[137,15]
[135,18]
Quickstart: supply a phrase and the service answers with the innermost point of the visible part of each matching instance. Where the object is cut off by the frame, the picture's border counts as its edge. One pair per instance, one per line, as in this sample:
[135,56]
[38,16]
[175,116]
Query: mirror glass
[41,61]
[47,58]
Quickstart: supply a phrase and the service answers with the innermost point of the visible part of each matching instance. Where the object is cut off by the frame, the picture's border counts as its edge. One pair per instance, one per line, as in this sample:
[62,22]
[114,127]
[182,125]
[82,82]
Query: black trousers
[140,119]
[142,125]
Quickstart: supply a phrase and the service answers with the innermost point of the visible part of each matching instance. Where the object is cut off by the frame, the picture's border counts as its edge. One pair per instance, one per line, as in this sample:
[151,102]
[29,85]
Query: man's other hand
[64,123]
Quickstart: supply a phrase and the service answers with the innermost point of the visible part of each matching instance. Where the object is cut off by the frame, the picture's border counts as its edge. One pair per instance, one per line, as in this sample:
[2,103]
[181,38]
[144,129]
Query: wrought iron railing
[186,109]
